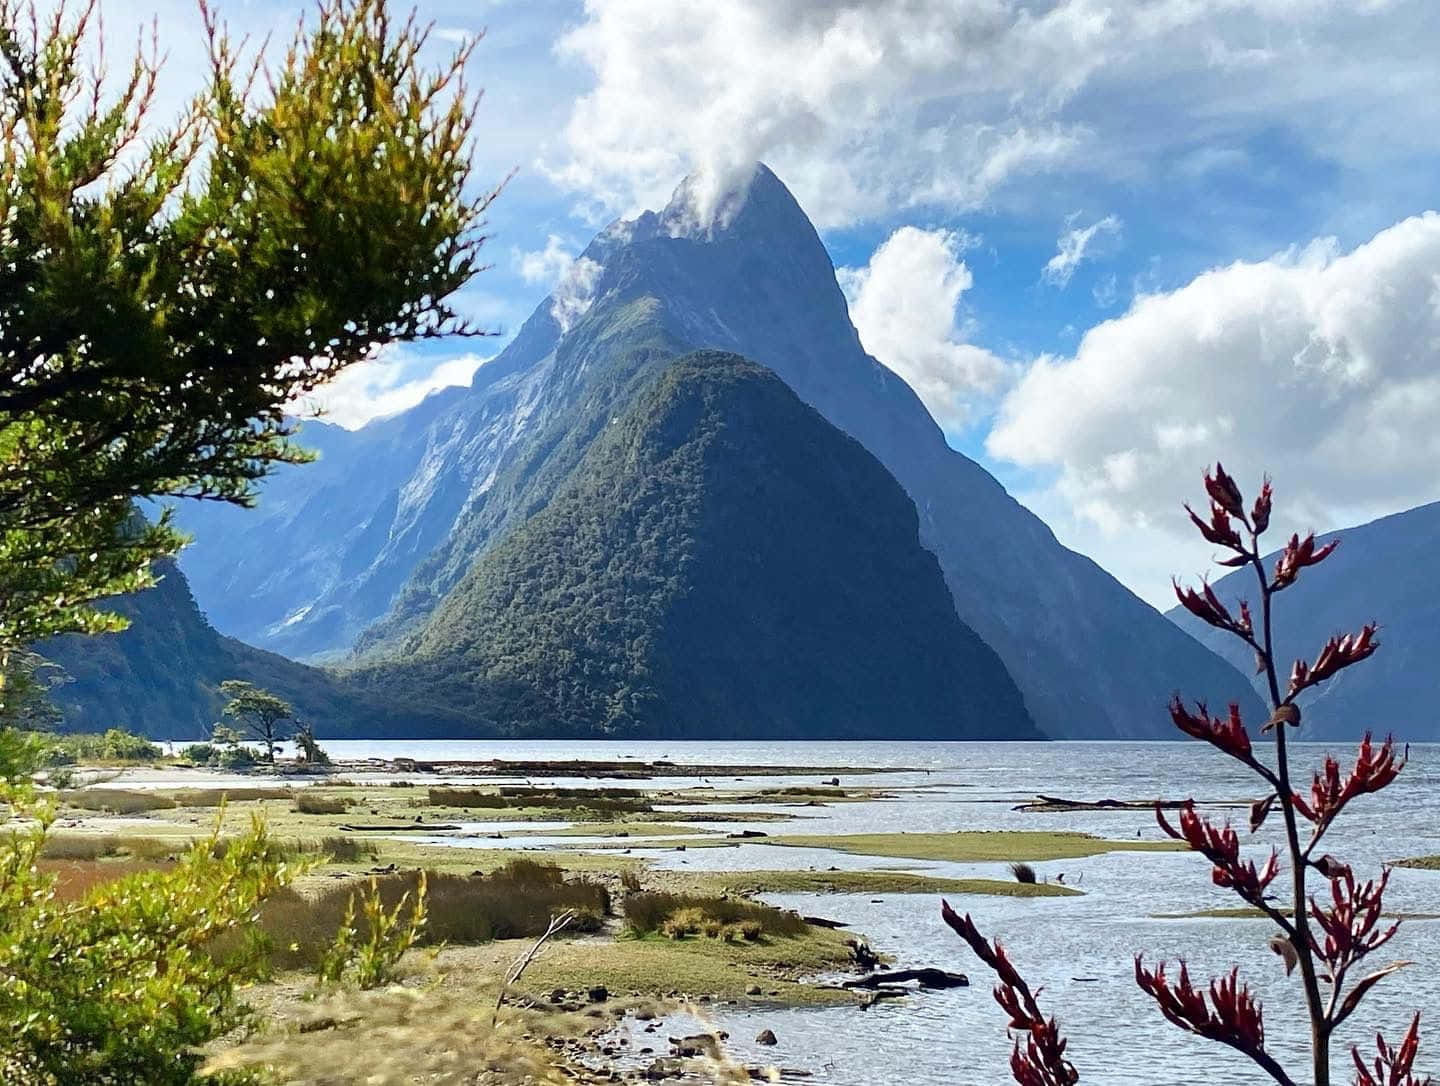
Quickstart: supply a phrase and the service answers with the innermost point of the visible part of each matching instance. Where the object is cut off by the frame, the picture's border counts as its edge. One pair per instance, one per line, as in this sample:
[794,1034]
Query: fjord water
[1079,948]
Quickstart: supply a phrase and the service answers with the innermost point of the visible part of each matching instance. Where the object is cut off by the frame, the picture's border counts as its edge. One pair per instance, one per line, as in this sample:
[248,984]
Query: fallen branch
[557,925]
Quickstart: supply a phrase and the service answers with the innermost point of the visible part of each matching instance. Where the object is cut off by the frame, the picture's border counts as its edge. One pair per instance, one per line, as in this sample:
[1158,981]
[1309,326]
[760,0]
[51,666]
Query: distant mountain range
[1385,572]
[406,531]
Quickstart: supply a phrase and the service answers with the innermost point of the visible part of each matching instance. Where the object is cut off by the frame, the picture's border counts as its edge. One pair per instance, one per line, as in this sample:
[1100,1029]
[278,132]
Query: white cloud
[547,265]
[1073,245]
[904,304]
[867,107]
[575,292]
[395,381]
[1317,366]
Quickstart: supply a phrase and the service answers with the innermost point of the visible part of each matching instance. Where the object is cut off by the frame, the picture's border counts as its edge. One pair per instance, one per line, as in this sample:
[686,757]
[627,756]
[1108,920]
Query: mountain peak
[708,204]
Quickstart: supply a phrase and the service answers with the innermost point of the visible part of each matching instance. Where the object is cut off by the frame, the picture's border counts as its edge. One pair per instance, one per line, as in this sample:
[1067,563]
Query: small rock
[598,994]
[558,995]
[754,990]
[766,1037]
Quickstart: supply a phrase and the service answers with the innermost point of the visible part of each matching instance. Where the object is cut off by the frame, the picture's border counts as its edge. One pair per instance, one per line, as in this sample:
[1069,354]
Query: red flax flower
[1392,1067]
[1337,654]
[1222,848]
[1298,554]
[1206,606]
[1231,1016]
[1351,931]
[1228,735]
[1042,1061]
[1373,771]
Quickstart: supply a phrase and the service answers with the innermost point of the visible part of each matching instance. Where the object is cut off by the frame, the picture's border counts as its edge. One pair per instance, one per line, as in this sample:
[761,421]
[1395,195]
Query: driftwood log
[926,978]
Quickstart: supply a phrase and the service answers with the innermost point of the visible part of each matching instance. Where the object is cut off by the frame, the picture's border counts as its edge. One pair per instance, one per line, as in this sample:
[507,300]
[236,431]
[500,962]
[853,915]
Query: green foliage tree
[26,683]
[258,713]
[165,293]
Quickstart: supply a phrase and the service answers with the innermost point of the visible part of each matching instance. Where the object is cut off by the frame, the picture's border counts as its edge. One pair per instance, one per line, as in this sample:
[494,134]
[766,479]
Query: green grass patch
[973,846]
[1419,863]
[659,967]
[608,801]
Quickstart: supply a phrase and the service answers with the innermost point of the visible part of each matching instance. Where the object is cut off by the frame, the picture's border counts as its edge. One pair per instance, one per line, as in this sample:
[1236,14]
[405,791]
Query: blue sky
[1241,186]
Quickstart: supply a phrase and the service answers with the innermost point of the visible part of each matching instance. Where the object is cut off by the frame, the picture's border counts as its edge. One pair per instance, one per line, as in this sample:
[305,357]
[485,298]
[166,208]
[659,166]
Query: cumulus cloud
[868,106]
[395,381]
[1316,365]
[547,265]
[1073,245]
[904,303]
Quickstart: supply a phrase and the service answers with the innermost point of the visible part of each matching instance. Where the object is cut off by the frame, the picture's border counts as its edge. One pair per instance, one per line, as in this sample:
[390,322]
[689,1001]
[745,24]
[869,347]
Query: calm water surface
[1081,949]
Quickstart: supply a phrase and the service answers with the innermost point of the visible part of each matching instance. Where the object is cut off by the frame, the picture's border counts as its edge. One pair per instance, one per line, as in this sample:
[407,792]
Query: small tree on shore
[258,714]
[1326,937]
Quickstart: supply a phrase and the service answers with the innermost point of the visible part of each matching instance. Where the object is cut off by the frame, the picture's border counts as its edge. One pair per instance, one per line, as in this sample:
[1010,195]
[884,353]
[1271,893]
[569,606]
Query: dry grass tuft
[516,901]
[679,915]
[115,800]
[308,802]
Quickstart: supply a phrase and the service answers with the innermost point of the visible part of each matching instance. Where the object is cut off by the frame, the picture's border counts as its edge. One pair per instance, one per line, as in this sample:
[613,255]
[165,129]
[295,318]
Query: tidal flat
[874,853]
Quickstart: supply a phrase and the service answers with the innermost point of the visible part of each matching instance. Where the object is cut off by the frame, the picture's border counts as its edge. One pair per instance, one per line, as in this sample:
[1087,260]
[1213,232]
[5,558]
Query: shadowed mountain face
[362,548]
[161,676]
[721,563]
[1383,572]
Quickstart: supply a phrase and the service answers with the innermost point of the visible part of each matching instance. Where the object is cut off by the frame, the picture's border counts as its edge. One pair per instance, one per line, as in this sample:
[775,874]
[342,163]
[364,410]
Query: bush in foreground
[111,979]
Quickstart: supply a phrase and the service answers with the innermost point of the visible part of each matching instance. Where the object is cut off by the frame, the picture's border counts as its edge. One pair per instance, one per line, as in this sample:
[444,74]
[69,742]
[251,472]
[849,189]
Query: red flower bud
[1260,514]
[1298,554]
[1224,493]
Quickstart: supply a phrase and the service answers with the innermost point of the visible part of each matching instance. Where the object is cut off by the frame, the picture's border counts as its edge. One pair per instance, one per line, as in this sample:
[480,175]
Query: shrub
[630,881]
[118,986]
[689,914]
[236,757]
[683,922]
[366,953]
[1023,872]
[309,802]
[201,754]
